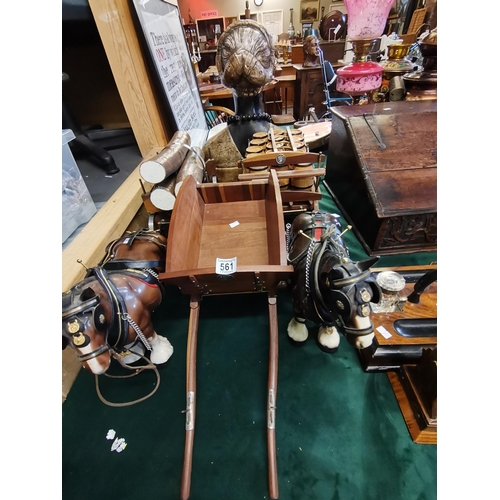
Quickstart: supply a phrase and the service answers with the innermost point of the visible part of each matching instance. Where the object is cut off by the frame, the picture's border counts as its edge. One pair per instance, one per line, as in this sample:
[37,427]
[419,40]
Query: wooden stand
[295,169]
[415,388]
[242,222]
[410,362]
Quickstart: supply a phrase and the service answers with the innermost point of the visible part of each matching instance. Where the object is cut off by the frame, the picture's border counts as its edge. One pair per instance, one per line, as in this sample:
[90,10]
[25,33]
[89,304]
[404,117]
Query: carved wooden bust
[311,51]
[245,57]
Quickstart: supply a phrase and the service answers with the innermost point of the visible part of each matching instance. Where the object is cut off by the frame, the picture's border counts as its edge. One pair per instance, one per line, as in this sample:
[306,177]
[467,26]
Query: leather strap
[120,264]
[118,327]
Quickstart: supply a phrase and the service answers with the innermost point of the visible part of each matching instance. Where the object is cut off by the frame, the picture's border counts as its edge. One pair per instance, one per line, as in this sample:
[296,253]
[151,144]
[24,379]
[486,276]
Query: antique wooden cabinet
[309,91]
[382,173]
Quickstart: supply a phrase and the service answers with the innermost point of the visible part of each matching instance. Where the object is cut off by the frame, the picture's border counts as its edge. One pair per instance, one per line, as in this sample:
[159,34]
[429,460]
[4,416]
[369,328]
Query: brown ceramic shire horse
[327,287]
[108,313]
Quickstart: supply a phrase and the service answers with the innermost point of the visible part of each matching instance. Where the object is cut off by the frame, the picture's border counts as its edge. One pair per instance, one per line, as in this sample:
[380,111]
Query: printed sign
[209,13]
[164,36]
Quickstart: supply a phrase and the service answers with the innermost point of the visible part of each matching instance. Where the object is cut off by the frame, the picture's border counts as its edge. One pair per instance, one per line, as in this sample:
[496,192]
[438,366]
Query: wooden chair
[416,23]
[216,115]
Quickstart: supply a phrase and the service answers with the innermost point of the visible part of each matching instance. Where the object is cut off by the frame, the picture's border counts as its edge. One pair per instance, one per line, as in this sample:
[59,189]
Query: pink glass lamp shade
[366,18]
[358,78]
[365,22]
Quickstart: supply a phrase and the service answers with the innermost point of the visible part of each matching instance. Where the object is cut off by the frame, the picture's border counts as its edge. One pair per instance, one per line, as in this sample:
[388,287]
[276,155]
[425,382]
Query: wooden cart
[227,238]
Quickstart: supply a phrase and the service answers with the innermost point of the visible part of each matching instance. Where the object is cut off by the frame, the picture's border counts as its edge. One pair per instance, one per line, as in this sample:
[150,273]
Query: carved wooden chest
[382,173]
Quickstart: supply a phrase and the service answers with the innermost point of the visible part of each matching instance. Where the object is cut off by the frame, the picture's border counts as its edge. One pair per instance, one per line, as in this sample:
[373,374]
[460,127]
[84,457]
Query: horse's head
[329,287]
[105,313]
[346,290]
[85,319]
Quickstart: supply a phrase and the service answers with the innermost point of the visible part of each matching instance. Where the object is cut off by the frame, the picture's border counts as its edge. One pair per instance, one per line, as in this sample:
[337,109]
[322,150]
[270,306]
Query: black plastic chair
[82,141]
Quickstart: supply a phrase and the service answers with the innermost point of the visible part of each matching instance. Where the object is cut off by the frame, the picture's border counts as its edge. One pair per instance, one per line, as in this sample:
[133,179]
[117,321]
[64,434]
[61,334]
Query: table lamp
[366,21]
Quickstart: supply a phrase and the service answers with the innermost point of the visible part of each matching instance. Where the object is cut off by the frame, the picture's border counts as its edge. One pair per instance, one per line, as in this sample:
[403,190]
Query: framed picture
[309,11]
[163,41]
[306,26]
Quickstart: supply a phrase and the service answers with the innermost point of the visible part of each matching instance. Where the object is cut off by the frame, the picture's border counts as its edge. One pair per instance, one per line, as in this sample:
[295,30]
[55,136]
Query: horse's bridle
[75,327]
[354,278]
[324,239]
[116,332]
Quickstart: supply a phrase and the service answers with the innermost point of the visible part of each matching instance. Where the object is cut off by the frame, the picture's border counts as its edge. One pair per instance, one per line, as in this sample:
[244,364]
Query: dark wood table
[223,95]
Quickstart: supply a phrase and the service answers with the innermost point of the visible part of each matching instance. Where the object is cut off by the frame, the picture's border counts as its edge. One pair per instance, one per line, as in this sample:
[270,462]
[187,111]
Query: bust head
[245,57]
[311,51]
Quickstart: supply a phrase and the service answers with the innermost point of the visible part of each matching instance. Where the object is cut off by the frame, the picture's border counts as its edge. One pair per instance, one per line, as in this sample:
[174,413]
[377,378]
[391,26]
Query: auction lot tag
[386,334]
[225,266]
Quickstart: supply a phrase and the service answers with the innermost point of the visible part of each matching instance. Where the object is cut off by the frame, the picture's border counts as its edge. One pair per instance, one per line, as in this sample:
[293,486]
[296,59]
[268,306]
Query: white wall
[227,8]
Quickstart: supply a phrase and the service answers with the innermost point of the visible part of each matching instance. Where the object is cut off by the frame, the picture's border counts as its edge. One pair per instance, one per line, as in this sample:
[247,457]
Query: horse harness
[88,303]
[342,289]
[112,264]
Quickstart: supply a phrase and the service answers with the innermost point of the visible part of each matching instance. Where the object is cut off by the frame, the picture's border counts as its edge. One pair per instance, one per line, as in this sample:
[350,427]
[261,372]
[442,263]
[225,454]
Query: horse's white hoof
[297,332]
[364,341]
[328,339]
[161,349]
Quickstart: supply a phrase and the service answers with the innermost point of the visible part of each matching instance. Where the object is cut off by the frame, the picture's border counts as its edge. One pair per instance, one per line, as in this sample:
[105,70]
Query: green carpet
[340,433]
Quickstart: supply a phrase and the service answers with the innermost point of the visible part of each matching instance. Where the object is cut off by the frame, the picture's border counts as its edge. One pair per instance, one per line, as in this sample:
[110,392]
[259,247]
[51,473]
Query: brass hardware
[80,262]
[79,339]
[304,234]
[365,295]
[73,326]
[365,310]
[348,228]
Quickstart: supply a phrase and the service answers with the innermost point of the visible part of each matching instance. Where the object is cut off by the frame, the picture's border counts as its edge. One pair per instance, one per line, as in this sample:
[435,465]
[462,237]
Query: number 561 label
[225,266]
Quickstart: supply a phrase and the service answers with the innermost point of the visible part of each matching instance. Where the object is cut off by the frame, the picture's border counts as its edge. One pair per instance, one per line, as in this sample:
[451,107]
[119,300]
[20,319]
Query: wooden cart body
[242,220]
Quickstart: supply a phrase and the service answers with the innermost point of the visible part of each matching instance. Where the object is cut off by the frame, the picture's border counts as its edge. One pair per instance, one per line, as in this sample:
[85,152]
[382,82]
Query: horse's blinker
[375,289]
[99,318]
[342,302]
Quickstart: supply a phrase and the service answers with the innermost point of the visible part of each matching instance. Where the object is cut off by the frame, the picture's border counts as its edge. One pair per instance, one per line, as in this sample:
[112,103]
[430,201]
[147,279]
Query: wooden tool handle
[272,384]
[194,315]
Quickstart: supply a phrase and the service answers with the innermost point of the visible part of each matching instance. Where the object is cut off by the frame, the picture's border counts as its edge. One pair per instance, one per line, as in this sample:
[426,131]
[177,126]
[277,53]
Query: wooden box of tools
[382,173]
